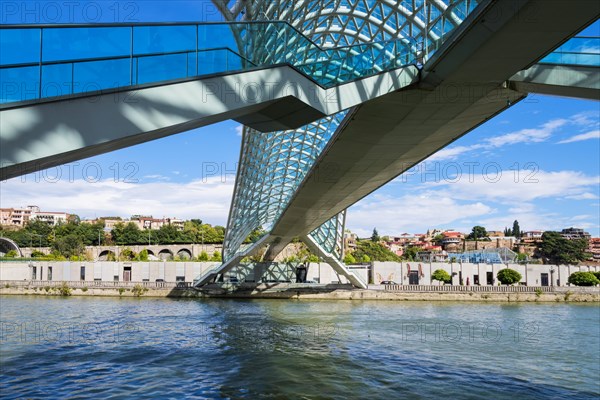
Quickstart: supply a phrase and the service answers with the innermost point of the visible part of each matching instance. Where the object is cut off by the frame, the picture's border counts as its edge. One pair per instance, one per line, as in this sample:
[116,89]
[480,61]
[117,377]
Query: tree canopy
[558,250]
[375,236]
[441,275]
[478,233]
[374,251]
[583,279]
[508,276]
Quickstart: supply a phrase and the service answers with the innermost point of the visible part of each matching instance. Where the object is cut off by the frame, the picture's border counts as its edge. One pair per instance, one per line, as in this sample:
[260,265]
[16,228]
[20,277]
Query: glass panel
[234,61]
[212,61]
[162,39]
[19,84]
[162,68]
[577,51]
[96,75]
[81,43]
[56,80]
[212,36]
[19,46]
[192,67]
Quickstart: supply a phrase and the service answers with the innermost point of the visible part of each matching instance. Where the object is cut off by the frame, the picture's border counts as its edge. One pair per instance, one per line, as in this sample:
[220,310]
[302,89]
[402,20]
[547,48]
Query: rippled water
[163,348]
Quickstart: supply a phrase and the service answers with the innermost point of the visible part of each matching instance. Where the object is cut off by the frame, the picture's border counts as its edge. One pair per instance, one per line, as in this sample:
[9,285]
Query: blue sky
[547,150]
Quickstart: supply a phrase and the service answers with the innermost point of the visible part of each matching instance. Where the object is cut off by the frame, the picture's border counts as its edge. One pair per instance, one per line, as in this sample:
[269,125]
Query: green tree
[216,256]
[128,234]
[143,255]
[168,234]
[597,274]
[508,276]
[312,258]
[375,236]
[478,233]
[521,257]
[68,246]
[127,255]
[203,256]
[559,250]
[375,251]
[410,253]
[516,230]
[11,254]
[255,235]
[438,238]
[349,259]
[583,279]
[441,276]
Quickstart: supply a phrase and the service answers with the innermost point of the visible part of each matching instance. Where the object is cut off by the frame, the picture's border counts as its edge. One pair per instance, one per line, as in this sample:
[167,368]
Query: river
[90,347]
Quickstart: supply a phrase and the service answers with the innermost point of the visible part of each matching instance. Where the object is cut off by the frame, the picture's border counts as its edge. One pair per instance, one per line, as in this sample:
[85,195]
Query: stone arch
[106,255]
[184,254]
[7,245]
[165,254]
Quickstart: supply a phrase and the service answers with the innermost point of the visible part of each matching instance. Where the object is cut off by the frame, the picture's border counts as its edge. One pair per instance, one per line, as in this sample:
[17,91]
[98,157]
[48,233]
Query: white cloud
[511,189]
[239,130]
[208,200]
[409,213]
[525,136]
[584,136]
[535,135]
[478,199]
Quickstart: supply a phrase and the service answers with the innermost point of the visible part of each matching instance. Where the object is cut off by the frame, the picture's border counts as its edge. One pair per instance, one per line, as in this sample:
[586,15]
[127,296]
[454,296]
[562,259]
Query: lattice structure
[500,255]
[273,164]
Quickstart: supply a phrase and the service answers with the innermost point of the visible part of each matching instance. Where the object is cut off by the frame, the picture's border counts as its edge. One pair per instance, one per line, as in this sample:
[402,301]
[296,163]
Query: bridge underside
[333,124]
[472,78]
[559,80]
[43,134]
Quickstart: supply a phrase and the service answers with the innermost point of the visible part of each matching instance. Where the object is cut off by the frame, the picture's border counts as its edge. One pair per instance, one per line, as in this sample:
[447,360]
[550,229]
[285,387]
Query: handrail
[298,52]
[83,60]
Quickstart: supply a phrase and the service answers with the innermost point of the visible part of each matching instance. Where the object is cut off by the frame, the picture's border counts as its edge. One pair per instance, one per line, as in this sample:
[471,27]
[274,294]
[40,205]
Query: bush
[84,289]
[349,259]
[64,289]
[216,256]
[11,254]
[583,279]
[203,256]
[597,274]
[37,254]
[441,275]
[121,290]
[508,276]
[138,290]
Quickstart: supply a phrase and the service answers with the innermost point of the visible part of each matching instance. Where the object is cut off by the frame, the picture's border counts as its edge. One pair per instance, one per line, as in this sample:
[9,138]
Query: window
[116,278]
[180,279]
[82,273]
[49,273]
[33,273]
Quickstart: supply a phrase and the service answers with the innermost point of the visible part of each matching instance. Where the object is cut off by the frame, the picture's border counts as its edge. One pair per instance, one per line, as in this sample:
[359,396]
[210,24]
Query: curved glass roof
[273,165]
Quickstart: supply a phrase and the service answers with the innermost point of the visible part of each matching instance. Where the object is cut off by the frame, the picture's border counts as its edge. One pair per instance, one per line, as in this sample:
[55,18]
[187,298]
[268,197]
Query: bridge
[358,92]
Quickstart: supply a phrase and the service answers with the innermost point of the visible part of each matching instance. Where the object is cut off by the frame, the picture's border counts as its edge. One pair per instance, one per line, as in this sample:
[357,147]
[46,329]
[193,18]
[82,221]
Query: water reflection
[157,348]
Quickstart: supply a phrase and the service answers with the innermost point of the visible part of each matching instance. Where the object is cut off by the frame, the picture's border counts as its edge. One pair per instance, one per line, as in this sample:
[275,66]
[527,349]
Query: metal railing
[94,284]
[42,61]
[463,288]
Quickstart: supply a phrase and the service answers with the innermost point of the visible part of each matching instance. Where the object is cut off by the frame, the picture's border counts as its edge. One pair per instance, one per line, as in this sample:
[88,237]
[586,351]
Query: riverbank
[571,295]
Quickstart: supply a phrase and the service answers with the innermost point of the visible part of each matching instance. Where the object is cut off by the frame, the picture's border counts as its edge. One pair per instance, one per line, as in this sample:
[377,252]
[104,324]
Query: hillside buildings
[20,217]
